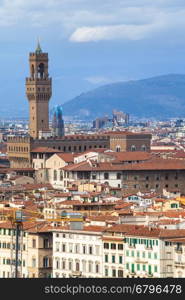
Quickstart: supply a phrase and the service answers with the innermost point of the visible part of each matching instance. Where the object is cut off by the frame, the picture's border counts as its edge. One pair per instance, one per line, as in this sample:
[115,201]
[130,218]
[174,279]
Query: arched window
[57,262]
[97,267]
[41,70]
[133,148]
[90,266]
[118,148]
[77,266]
[143,148]
[45,262]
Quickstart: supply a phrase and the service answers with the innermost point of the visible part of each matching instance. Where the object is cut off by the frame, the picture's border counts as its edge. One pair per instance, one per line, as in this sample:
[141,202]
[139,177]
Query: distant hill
[159,97]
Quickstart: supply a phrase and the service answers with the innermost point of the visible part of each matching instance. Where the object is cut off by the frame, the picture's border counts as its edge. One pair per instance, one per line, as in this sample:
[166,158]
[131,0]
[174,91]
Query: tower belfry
[38,91]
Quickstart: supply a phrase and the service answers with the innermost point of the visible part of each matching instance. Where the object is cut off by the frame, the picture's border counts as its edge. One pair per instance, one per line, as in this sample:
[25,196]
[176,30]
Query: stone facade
[38,91]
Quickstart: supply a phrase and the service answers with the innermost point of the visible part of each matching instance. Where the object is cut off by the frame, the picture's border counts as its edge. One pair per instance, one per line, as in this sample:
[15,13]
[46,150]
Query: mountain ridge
[158,96]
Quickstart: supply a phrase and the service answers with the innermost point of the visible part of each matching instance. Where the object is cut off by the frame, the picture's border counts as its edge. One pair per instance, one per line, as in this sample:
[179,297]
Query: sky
[90,43]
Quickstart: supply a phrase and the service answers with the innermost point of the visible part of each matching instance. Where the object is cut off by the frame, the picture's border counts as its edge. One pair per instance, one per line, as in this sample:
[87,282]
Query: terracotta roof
[37,186]
[67,157]
[157,164]
[94,228]
[141,230]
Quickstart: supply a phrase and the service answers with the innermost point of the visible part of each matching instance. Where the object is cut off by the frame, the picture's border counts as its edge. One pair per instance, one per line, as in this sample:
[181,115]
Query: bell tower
[38,91]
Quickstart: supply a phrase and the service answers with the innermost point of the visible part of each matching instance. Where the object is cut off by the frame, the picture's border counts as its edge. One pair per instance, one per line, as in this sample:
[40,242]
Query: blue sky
[90,43]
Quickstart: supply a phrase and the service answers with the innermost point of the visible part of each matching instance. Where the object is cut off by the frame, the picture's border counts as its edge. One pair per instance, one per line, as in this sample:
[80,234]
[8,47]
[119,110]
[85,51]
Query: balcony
[149,275]
[76,274]
[179,264]
[141,261]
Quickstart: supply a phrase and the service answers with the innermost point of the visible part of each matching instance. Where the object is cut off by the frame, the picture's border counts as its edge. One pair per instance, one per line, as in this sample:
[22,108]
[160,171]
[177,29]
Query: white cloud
[87,20]
[128,32]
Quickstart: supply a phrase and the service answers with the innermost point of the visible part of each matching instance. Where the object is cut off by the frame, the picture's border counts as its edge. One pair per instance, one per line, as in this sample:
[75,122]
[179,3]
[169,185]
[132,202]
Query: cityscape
[90,200]
[92,193]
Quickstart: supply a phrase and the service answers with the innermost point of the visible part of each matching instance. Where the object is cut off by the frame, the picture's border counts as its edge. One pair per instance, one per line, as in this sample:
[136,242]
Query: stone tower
[38,91]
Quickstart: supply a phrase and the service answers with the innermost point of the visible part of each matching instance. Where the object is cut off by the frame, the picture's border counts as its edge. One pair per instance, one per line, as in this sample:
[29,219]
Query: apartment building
[39,247]
[155,175]
[7,252]
[35,251]
[138,251]
[178,257]
[78,253]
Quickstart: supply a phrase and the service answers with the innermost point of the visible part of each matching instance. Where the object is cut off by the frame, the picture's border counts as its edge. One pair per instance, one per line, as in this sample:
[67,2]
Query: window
[113,259]
[143,148]
[138,267]
[155,255]
[120,259]
[90,266]
[144,267]
[127,253]
[106,272]
[90,250]
[70,265]
[174,205]
[120,246]
[46,243]
[77,266]
[155,269]
[55,175]
[150,269]
[132,253]
[57,263]
[113,246]
[77,248]
[113,273]
[106,175]
[106,258]
[133,148]
[106,245]
[61,175]
[97,268]
[34,243]
[127,266]
[138,254]
[63,248]
[118,175]
[45,262]
[120,273]
[57,246]
[33,262]
[84,249]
